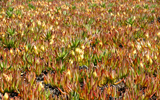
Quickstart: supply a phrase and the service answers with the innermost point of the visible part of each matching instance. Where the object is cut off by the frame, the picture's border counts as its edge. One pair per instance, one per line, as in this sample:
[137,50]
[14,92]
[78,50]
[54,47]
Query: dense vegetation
[80,49]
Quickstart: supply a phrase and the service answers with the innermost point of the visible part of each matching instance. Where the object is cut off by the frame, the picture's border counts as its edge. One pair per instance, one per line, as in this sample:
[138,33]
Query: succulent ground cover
[80,49]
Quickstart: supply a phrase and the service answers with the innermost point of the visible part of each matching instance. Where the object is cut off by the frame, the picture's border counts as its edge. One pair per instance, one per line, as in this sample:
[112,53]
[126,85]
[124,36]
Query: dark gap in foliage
[121,87]
[154,97]
[13,94]
[158,19]
[40,78]
[155,73]
[109,97]
[83,67]
[152,21]
[44,72]
[23,73]
[42,58]
[1,58]
[142,88]
[81,84]
[54,90]
[121,46]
